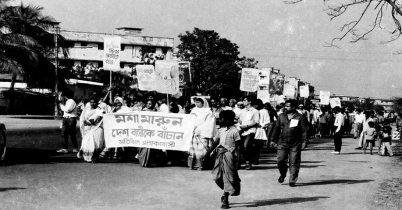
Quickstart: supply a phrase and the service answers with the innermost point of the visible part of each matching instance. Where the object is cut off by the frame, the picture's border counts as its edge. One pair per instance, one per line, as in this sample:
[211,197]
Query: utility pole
[56,87]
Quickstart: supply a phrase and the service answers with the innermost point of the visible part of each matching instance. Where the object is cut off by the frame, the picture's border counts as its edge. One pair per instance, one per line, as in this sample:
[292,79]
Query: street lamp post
[56,91]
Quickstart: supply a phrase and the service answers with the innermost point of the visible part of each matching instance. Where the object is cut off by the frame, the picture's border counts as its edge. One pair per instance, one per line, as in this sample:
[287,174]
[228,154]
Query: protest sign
[146,77]
[249,80]
[111,53]
[335,102]
[289,89]
[167,77]
[324,97]
[149,129]
[304,91]
[263,84]
[276,83]
[184,73]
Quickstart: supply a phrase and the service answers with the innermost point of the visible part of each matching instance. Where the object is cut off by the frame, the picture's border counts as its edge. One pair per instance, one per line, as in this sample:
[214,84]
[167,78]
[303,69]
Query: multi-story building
[86,48]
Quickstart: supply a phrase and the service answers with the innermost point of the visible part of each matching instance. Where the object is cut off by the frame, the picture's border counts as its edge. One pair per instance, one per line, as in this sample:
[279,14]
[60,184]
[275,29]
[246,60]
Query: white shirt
[248,117]
[339,120]
[359,118]
[164,108]
[69,108]
[237,112]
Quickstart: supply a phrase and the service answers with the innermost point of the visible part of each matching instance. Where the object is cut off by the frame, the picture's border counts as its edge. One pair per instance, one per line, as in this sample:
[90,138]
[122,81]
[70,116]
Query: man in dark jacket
[290,132]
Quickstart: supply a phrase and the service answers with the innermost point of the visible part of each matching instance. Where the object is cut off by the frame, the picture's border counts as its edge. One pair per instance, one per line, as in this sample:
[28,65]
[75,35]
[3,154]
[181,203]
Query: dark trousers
[324,130]
[246,148]
[69,126]
[292,154]
[338,139]
[257,146]
[270,130]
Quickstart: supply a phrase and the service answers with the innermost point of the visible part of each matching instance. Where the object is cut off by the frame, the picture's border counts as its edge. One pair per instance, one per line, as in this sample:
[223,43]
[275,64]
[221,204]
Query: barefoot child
[225,169]
[370,134]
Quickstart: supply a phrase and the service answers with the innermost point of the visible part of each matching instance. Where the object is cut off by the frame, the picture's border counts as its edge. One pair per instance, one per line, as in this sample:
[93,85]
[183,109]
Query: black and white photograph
[200,104]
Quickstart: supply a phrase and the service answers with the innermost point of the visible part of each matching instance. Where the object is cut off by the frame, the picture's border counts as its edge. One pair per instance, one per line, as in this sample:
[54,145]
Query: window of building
[164,50]
[121,65]
[100,46]
[100,64]
[84,44]
[122,47]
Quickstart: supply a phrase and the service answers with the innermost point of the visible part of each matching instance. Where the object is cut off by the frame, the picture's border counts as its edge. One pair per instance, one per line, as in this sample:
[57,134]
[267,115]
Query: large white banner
[324,97]
[304,91]
[146,77]
[158,130]
[167,76]
[111,53]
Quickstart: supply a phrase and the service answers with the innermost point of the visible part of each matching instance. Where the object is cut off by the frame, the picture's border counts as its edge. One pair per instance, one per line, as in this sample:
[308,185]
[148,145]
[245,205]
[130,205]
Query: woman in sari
[117,152]
[203,133]
[145,154]
[91,127]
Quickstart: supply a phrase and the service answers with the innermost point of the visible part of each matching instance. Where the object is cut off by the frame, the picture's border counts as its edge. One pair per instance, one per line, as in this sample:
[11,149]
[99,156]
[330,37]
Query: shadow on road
[337,181]
[17,156]
[280,201]
[11,188]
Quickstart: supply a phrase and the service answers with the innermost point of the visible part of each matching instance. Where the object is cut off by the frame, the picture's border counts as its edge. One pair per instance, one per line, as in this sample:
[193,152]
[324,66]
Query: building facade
[86,48]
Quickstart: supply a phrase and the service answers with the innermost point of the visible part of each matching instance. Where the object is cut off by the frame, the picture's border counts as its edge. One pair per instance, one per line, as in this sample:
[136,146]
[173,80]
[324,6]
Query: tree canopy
[215,62]
[27,45]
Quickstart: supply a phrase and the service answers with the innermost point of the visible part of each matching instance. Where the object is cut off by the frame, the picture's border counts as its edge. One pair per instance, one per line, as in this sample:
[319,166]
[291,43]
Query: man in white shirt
[359,118]
[338,125]
[248,120]
[69,123]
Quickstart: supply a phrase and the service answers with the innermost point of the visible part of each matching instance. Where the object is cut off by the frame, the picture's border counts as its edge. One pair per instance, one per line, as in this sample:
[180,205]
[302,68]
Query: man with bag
[290,132]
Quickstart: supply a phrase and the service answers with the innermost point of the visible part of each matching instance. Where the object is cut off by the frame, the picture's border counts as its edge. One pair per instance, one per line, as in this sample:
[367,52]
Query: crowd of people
[228,134]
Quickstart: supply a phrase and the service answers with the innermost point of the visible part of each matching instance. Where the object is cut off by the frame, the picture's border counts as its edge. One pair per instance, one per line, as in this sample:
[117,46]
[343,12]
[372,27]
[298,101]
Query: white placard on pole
[324,97]
[111,53]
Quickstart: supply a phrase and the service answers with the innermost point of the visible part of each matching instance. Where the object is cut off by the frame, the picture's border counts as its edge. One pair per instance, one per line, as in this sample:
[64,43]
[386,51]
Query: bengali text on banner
[149,129]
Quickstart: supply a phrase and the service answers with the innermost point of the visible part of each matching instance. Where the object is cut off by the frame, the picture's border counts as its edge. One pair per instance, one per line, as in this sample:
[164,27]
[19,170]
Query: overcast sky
[287,37]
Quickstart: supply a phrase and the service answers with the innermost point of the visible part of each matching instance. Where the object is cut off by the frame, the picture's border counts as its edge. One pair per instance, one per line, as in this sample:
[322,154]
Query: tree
[26,46]
[374,14]
[215,63]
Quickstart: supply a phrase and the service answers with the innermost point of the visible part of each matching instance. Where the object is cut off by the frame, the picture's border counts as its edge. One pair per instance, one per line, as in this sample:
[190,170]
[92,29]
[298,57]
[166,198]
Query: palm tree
[26,46]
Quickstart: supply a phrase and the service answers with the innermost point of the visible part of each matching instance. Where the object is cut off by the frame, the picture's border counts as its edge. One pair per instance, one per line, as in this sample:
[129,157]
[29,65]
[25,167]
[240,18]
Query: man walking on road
[248,120]
[69,123]
[339,129]
[290,132]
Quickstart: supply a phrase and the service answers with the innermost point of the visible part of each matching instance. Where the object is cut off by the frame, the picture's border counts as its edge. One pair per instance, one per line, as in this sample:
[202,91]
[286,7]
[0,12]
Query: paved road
[41,179]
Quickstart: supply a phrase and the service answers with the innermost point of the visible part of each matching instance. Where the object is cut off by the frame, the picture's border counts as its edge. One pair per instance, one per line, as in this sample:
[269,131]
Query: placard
[111,53]
[305,91]
[289,89]
[276,83]
[146,77]
[167,77]
[335,102]
[157,130]
[249,80]
[184,73]
[324,97]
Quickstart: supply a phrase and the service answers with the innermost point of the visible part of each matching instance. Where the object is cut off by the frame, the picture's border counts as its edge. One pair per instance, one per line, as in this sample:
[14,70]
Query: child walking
[385,139]
[226,144]
[370,134]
